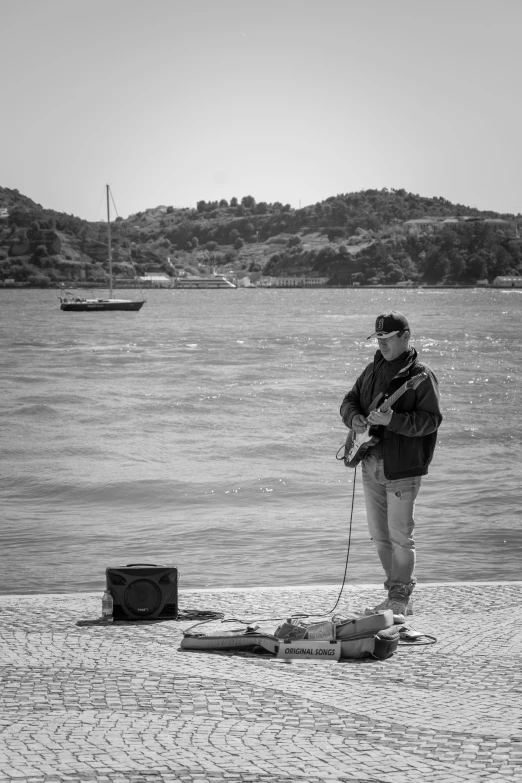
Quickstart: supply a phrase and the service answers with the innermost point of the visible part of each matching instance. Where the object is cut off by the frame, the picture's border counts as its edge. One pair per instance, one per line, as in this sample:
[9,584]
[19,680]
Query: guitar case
[361,636]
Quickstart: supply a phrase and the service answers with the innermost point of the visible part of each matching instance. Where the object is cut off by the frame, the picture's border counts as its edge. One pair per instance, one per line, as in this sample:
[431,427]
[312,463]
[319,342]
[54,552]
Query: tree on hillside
[18,272]
[477,266]
[39,279]
[437,269]
[458,262]
[503,263]
[248,202]
[41,257]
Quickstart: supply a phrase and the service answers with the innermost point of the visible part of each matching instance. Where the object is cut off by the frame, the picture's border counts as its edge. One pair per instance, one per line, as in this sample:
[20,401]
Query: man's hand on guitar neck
[379,417]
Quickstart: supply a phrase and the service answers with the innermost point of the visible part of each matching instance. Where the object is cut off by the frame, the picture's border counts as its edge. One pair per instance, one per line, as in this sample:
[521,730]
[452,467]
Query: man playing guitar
[398,453]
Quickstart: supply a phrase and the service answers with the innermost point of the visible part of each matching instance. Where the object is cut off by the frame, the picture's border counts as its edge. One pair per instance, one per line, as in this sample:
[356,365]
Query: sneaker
[379,608]
[392,603]
[400,609]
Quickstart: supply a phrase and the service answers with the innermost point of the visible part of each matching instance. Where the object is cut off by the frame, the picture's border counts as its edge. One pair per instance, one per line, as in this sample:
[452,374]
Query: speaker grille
[143,591]
[142,598]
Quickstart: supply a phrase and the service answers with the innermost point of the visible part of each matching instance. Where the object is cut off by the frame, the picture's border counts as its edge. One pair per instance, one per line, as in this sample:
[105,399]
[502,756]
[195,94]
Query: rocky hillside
[373,236]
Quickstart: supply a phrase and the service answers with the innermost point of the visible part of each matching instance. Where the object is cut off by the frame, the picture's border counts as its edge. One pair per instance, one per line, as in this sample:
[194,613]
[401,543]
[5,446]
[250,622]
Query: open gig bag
[361,636]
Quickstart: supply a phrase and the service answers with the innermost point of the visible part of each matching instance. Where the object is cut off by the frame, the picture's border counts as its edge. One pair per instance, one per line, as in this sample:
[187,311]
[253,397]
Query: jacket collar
[402,364]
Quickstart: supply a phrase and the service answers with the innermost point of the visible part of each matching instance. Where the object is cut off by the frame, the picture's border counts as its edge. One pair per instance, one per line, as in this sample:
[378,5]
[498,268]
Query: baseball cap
[388,324]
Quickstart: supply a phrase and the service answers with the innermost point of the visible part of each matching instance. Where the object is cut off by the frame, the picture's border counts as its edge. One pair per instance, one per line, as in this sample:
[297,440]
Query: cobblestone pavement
[120,702]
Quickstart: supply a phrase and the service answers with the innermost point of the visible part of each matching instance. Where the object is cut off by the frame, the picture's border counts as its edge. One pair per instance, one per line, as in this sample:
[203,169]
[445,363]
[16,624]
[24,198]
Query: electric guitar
[357,445]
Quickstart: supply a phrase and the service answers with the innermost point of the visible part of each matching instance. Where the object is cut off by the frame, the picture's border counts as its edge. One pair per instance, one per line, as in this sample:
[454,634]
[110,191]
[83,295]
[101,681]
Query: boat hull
[90,305]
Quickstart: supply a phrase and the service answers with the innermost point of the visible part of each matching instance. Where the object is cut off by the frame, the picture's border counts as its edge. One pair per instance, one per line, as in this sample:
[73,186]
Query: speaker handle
[150,565]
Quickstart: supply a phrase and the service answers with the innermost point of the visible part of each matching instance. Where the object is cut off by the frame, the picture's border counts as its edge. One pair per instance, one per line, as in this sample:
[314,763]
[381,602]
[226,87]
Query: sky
[176,101]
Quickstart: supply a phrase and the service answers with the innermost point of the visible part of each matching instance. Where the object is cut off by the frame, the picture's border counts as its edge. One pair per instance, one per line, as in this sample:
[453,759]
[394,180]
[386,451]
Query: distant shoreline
[25,286]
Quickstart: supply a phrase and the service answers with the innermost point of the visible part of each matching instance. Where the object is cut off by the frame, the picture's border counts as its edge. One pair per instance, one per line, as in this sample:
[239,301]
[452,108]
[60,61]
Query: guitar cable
[349,543]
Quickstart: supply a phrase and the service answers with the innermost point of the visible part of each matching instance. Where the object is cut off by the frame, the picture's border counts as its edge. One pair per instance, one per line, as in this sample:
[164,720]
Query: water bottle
[107,606]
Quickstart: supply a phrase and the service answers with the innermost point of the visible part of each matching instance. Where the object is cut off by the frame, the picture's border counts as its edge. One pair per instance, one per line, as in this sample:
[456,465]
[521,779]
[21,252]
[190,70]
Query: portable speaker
[142,591]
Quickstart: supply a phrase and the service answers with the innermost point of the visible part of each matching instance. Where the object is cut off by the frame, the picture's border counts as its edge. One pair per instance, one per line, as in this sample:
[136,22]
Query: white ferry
[214,281]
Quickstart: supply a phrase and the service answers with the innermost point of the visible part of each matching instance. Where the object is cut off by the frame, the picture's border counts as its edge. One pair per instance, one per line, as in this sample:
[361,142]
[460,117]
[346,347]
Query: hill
[370,237]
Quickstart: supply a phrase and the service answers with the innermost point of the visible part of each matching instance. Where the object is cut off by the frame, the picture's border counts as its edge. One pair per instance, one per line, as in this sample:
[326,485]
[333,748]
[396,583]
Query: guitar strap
[402,375]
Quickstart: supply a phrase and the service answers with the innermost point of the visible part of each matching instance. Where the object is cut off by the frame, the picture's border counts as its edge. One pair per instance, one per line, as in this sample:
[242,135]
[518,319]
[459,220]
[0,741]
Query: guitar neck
[395,396]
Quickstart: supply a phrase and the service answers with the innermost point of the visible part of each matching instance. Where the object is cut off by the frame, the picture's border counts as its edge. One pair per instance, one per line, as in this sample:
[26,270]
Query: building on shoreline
[294,281]
[508,281]
[155,280]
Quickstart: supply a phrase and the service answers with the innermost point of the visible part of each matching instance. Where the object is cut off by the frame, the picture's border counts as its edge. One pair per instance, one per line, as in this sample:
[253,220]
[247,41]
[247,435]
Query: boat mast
[109,241]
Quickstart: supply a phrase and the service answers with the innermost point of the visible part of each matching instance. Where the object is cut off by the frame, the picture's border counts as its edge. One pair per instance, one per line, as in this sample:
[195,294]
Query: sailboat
[72,302]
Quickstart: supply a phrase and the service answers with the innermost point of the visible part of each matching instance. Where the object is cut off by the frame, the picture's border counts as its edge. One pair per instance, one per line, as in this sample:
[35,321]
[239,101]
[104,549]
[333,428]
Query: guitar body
[357,445]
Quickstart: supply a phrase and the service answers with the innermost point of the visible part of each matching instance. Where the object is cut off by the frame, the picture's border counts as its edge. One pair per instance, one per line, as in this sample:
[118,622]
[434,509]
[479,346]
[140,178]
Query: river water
[201,432]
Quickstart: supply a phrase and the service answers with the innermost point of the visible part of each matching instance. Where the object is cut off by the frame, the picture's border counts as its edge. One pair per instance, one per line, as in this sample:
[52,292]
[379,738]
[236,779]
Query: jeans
[389,510]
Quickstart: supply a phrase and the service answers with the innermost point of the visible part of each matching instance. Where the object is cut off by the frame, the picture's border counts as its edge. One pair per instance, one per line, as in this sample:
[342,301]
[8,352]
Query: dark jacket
[409,440]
